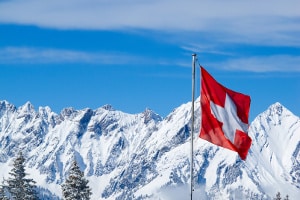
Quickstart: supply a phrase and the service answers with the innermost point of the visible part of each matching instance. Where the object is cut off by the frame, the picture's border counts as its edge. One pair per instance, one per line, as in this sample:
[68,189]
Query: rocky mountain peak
[142,156]
[149,115]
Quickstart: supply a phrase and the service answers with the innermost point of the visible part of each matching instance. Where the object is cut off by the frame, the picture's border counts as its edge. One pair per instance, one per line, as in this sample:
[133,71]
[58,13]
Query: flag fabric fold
[225,114]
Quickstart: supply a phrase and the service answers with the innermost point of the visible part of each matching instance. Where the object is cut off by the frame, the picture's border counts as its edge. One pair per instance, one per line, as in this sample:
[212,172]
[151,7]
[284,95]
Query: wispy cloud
[33,55]
[27,55]
[275,63]
[269,21]
[207,49]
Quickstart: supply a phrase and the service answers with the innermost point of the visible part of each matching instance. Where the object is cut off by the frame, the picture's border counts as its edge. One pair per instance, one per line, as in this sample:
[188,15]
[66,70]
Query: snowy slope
[142,156]
[275,153]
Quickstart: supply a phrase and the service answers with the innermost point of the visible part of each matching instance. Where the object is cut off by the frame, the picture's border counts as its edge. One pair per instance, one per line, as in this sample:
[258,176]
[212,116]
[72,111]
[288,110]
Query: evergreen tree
[19,187]
[76,186]
[286,197]
[278,197]
[3,191]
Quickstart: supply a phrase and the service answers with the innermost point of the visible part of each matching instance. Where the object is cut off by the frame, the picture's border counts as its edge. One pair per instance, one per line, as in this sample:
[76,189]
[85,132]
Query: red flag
[224,116]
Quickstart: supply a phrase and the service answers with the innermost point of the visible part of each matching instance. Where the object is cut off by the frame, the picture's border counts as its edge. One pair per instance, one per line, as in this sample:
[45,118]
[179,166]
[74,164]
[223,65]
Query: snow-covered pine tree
[76,186]
[278,196]
[3,191]
[19,187]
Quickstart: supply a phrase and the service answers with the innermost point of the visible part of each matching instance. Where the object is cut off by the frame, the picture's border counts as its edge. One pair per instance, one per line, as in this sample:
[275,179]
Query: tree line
[278,197]
[19,187]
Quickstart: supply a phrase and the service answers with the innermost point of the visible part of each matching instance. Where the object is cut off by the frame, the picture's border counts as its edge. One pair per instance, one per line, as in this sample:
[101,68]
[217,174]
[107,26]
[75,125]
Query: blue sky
[136,54]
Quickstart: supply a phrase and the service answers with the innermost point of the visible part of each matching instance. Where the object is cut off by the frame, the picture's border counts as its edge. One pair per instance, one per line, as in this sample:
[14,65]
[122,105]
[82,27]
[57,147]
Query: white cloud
[204,48]
[45,56]
[265,21]
[32,55]
[275,63]
[28,55]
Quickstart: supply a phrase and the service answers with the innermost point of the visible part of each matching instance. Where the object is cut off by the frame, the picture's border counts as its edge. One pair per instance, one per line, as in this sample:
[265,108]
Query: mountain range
[145,156]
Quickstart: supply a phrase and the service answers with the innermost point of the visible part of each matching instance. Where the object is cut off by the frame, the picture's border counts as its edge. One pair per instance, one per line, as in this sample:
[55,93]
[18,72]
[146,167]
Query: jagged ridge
[144,156]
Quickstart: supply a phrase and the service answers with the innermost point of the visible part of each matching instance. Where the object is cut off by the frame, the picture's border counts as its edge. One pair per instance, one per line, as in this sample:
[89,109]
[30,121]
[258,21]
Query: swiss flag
[224,116]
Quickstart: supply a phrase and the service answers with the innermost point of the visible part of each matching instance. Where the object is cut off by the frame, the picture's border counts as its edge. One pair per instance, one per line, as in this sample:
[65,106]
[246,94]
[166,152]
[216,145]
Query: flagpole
[192,128]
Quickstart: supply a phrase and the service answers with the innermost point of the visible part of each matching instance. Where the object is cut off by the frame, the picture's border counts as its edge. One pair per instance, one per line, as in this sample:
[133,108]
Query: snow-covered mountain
[142,156]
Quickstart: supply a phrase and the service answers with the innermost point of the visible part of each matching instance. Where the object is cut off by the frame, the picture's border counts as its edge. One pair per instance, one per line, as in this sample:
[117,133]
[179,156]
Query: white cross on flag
[224,116]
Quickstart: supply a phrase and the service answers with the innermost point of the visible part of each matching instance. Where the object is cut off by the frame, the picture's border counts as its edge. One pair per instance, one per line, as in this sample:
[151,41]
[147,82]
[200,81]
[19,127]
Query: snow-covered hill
[142,156]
